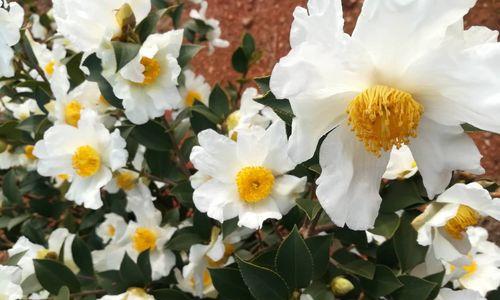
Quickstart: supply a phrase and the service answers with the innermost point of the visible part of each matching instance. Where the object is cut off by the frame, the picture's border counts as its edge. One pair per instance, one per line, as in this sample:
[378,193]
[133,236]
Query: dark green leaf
[112,282]
[229,283]
[130,273]
[219,102]
[53,275]
[183,239]
[309,206]
[263,84]
[63,294]
[76,75]
[42,97]
[175,12]
[187,53]
[248,45]
[17,220]
[82,256]
[351,263]
[263,283]
[281,107]
[184,193]
[144,264]
[294,261]
[400,194]
[320,248]
[408,251]
[384,282]
[470,128]
[438,280]
[147,26]
[386,224]
[169,294]
[124,53]
[240,61]
[152,135]
[14,259]
[10,189]
[414,288]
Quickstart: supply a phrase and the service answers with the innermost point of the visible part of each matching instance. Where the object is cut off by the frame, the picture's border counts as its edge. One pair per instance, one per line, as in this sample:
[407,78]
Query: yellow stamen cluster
[111,230]
[125,180]
[191,97]
[382,116]
[49,67]
[72,112]
[254,183]
[470,269]
[151,70]
[28,151]
[86,161]
[464,218]
[46,254]
[144,239]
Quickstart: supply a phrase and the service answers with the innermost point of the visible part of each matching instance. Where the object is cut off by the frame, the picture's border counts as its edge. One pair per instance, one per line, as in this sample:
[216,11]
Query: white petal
[286,190]
[86,191]
[448,294]
[217,199]
[447,247]
[253,215]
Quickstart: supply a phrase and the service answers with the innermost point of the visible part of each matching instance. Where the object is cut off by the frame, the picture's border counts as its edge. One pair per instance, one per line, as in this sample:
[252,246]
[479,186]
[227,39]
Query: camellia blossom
[11,20]
[195,89]
[86,155]
[213,35]
[445,221]
[10,283]
[409,74]
[248,178]
[131,294]
[148,83]
[401,164]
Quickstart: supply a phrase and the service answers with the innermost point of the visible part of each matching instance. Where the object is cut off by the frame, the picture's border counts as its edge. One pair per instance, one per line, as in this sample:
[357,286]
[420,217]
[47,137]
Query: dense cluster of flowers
[347,173]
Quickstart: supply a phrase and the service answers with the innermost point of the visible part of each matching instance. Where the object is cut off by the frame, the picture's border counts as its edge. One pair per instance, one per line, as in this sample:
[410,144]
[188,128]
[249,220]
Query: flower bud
[341,286]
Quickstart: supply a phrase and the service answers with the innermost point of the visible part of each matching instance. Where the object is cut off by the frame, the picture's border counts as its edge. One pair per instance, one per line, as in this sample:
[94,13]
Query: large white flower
[89,23]
[401,164]
[148,83]
[10,23]
[448,294]
[445,221]
[10,282]
[248,178]
[86,155]
[130,294]
[213,35]
[409,74]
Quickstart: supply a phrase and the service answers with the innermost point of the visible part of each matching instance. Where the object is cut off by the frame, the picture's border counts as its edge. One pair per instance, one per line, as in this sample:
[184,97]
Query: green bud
[341,286]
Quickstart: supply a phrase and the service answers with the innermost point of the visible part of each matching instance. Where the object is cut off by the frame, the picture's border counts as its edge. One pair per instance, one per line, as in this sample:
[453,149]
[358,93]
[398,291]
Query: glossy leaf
[53,275]
[263,283]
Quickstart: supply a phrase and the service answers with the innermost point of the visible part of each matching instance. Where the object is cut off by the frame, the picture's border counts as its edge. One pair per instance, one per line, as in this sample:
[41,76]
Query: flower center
[207,280]
[111,230]
[72,112]
[63,177]
[144,239]
[49,67]
[382,117]
[137,292]
[191,97]
[464,218]
[151,70]
[470,269]
[46,254]
[28,151]
[86,161]
[254,183]
[125,180]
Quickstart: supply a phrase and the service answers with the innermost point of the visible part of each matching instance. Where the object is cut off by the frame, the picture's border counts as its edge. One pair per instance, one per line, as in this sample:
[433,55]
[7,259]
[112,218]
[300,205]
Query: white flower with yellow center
[37,29]
[444,222]
[50,60]
[213,35]
[89,23]
[131,294]
[148,83]
[57,239]
[12,157]
[11,20]
[195,89]
[86,155]
[248,178]
[10,282]
[22,111]
[448,294]
[409,74]
[401,164]
[112,229]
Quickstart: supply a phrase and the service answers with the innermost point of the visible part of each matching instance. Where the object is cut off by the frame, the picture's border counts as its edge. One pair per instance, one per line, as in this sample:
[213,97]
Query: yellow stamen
[46,254]
[125,180]
[64,177]
[382,116]
[86,161]
[49,67]
[464,218]
[72,112]
[137,292]
[28,151]
[144,239]
[470,269]
[207,280]
[111,230]
[191,97]
[151,70]
[254,183]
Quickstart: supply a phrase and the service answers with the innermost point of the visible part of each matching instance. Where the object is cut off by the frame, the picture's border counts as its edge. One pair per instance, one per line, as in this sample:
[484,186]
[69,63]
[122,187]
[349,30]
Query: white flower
[130,294]
[51,62]
[37,29]
[57,239]
[113,228]
[10,282]
[401,164]
[195,89]
[89,23]
[86,155]
[147,84]
[11,157]
[448,294]
[10,23]
[248,177]
[445,221]
[250,115]
[409,74]
[24,110]
[213,35]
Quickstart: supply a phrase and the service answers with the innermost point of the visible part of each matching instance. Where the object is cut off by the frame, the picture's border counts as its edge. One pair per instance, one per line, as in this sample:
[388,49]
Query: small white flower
[445,221]
[89,23]
[401,164]
[86,155]
[12,157]
[11,21]
[148,83]
[22,111]
[112,229]
[448,294]
[37,29]
[50,60]
[10,282]
[130,294]
[195,89]
[213,35]
[248,177]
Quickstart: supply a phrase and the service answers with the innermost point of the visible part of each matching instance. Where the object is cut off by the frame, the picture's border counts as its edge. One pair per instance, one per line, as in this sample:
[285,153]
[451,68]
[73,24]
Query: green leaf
[309,206]
[240,61]
[64,294]
[320,248]
[124,53]
[76,75]
[414,288]
[263,283]
[263,84]
[219,102]
[175,12]
[203,118]
[351,263]
[183,239]
[14,259]
[248,45]
[470,128]
[82,256]
[17,220]
[10,189]
[53,275]
[384,282]
[130,273]
[152,135]
[187,53]
[319,291]
[399,195]
[184,193]
[112,282]
[144,263]
[408,251]
[281,107]
[229,283]
[169,294]
[147,26]
[42,97]
[386,224]
[438,280]
[229,226]
[294,261]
